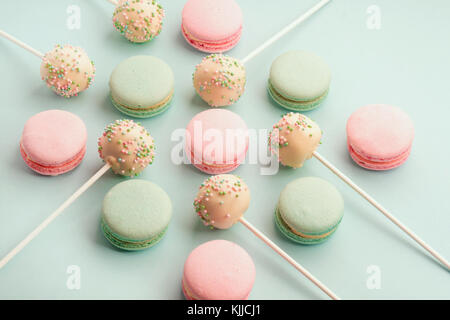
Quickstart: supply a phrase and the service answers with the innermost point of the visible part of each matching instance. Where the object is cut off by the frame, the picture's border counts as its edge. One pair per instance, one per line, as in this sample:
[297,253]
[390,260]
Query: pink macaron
[216,141]
[53,142]
[218,270]
[379,136]
[212,25]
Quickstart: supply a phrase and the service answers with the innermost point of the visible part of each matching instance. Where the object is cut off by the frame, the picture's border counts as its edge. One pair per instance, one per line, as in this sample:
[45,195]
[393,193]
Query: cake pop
[138,20]
[66,69]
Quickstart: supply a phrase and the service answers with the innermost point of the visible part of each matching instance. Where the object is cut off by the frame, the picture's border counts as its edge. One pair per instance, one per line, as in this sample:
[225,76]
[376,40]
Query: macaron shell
[217,137]
[380,132]
[219,270]
[311,206]
[300,76]
[137,210]
[212,20]
[141,83]
[53,137]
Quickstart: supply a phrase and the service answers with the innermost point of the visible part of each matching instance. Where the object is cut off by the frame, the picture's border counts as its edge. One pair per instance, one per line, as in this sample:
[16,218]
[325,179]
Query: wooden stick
[285,30]
[51,217]
[380,208]
[286,257]
[21,44]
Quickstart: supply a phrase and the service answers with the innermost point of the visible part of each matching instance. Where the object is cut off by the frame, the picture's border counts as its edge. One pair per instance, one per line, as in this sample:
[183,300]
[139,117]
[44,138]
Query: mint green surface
[404,63]
[141,82]
[136,210]
[311,205]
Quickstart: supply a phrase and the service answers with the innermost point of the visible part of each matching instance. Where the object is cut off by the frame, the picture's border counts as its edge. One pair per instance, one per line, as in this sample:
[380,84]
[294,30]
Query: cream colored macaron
[294,139]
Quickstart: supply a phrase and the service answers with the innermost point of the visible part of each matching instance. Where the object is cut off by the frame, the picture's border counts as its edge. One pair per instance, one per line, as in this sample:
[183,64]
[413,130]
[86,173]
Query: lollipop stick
[51,217]
[286,257]
[114,2]
[21,44]
[384,211]
[285,30]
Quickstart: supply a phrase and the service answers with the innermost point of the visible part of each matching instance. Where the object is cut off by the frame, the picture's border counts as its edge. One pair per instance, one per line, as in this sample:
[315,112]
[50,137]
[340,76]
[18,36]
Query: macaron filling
[291,103]
[212,46]
[146,111]
[378,164]
[303,237]
[54,169]
[216,167]
[129,244]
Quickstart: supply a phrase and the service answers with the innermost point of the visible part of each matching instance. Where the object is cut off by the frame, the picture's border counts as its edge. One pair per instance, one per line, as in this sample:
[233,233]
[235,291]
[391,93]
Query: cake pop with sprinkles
[219,80]
[222,200]
[67,70]
[138,20]
[294,139]
[127,147]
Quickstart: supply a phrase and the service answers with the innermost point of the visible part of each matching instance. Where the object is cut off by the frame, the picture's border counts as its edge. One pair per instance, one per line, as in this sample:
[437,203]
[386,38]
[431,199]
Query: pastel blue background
[406,63]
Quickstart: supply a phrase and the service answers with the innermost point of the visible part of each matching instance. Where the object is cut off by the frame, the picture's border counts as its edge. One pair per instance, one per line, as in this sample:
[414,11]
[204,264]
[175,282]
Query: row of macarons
[379,137]
[136,215]
[143,86]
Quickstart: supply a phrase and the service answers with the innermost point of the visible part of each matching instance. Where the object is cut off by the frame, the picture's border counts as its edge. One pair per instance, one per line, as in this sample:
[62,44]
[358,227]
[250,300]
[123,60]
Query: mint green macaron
[135,214]
[142,86]
[299,80]
[309,210]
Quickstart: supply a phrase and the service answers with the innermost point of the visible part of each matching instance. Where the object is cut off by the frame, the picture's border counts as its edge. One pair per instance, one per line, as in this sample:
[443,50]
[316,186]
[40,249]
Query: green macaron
[142,86]
[309,210]
[299,80]
[135,214]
